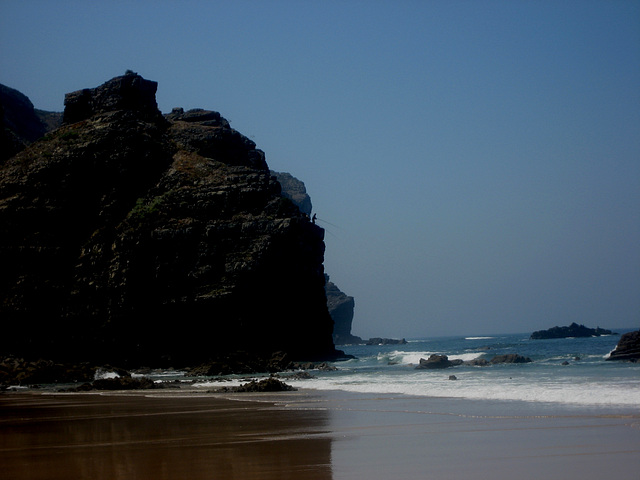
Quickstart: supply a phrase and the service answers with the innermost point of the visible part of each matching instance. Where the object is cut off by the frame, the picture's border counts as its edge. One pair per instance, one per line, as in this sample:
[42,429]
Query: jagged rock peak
[208,118]
[207,133]
[128,92]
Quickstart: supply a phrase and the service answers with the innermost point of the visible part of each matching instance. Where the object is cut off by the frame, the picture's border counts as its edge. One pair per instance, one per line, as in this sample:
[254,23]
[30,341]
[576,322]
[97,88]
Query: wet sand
[308,435]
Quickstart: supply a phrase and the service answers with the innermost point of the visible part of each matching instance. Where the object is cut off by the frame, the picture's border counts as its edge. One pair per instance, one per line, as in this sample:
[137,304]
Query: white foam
[478,338]
[400,357]
[465,356]
[220,384]
[410,358]
[483,387]
[160,374]
[413,358]
[103,374]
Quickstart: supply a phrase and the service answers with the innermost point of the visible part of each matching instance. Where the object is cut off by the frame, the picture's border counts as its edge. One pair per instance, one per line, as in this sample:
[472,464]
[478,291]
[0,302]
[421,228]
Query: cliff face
[294,190]
[341,307]
[20,123]
[135,238]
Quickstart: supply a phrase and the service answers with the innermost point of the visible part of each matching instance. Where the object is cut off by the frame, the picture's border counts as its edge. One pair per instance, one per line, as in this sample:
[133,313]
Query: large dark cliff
[131,237]
[341,305]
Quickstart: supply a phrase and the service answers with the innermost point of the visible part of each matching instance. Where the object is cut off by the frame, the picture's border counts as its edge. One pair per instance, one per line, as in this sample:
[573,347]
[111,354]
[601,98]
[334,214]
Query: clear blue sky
[476,164]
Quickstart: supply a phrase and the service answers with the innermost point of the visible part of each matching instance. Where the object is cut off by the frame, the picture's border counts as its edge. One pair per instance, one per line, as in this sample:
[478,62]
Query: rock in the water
[303,375]
[435,362]
[267,385]
[477,362]
[573,330]
[628,347]
[270,384]
[510,358]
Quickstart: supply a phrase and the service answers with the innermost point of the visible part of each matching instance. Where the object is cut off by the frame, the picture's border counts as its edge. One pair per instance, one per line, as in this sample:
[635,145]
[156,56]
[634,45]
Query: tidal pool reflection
[159,437]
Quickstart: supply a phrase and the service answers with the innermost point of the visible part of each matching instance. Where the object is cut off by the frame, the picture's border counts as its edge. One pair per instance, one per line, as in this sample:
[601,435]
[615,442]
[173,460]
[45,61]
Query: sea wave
[478,338]
[439,385]
[104,374]
[413,358]
[465,356]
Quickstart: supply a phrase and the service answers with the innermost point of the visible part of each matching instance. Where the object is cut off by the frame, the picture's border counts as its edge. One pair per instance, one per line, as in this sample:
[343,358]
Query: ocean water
[588,379]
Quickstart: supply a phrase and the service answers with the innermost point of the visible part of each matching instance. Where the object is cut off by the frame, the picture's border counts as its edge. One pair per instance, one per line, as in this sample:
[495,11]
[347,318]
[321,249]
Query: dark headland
[135,238]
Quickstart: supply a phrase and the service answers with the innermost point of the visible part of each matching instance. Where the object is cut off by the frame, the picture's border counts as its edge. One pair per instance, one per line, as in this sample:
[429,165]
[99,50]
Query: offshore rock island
[137,238]
[573,330]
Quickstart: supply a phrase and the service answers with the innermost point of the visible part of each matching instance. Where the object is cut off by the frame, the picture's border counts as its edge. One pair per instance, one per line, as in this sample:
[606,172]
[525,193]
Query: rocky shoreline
[34,373]
[18,373]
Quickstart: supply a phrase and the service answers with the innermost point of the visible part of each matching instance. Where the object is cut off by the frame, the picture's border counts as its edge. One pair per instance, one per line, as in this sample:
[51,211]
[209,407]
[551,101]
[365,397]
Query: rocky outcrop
[19,371]
[477,362]
[435,362]
[270,384]
[119,383]
[510,358]
[20,123]
[242,362]
[628,347]
[573,330]
[341,307]
[294,190]
[130,93]
[134,239]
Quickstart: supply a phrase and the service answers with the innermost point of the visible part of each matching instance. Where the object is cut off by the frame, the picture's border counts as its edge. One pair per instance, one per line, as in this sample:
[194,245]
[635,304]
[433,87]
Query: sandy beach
[308,435]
